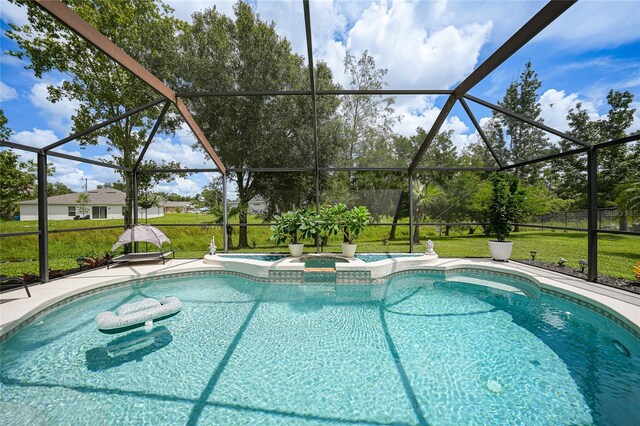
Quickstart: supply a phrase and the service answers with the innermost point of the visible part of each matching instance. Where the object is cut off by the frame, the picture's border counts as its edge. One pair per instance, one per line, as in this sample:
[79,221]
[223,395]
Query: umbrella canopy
[142,233]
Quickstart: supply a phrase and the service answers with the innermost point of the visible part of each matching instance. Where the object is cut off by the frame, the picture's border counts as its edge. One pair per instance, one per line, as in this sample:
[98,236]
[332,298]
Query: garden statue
[212,246]
[430,247]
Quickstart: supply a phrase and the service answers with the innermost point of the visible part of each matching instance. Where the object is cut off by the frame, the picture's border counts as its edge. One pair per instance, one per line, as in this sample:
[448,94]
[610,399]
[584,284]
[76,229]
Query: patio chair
[14,282]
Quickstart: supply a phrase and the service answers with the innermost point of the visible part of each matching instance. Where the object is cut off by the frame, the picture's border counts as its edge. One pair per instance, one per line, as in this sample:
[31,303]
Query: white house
[104,203]
[257,205]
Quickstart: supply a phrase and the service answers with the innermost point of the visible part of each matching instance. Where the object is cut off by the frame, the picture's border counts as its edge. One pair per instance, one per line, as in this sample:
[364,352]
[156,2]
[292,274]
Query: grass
[618,254]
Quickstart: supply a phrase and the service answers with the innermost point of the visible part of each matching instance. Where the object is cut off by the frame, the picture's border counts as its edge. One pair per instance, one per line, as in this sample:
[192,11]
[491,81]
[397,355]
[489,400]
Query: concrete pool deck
[16,307]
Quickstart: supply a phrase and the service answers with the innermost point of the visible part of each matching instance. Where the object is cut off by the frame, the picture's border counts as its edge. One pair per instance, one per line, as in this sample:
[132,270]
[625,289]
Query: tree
[83,199]
[367,119]
[569,174]
[119,185]
[615,164]
[476,154]
[259,131]
[142,28]
[146,200]
[18,182]
[424,195]
[524,141]
[442,152]
[628,196]
[232,213]
[211,196]
[455,206]
[505,206]
[57,188]
[5,131]
[175,197]
[479,205]
[402,150]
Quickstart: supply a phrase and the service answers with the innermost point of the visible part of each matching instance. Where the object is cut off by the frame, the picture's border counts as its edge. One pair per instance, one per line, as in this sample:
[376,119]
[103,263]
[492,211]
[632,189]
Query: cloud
[425,119]
[11,13]
[183,186]
[408,38]
[460,13]
[417,112]
[37,137]
[7,92]
[419,58]
[167,149]
[57,115]
[289,19]
[12,61]
[183,9]
[555,105]
[416,55]
[592,25]
[71,173]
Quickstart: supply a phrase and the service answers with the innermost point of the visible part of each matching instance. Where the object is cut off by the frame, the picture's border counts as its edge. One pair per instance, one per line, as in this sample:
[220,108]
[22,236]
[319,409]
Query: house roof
[102,196]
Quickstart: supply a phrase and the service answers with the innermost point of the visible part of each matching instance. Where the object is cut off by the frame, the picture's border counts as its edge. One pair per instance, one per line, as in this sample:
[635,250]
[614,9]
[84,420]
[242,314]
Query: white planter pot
[500,250]
[349,250]
[296,249]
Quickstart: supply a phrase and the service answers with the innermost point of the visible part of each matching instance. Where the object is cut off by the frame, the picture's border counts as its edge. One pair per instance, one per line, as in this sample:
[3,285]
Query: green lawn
[18,255]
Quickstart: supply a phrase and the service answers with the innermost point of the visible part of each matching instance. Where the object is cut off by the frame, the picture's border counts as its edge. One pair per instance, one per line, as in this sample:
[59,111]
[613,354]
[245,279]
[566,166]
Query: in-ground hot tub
[281,268]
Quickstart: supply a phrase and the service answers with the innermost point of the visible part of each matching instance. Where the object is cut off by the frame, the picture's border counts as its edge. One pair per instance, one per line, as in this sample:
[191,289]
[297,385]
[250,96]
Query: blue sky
[593,47]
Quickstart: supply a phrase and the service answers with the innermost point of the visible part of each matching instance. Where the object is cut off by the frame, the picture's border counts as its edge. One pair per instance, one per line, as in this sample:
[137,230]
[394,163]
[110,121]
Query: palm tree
[424,196]
[628,199]
[232,213]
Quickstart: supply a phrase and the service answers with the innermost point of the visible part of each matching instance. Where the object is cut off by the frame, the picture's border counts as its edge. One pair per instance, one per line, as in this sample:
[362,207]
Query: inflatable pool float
[135,314]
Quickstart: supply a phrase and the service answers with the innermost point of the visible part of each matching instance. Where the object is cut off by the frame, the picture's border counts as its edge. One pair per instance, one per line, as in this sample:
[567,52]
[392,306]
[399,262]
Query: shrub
[505,206]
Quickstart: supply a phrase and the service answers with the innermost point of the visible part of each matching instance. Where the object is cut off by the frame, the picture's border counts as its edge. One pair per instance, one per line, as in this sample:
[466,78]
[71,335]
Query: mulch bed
[621,283]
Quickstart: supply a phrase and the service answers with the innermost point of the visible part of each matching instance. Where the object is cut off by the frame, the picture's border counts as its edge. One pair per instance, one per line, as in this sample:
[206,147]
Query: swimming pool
[417,349]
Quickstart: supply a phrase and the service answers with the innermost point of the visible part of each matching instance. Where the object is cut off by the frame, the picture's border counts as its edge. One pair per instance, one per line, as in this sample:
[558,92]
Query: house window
[123,210]
[71,211]
[99,212]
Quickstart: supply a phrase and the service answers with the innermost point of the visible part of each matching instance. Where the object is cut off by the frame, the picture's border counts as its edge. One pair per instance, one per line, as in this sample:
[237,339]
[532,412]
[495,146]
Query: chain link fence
[609,219]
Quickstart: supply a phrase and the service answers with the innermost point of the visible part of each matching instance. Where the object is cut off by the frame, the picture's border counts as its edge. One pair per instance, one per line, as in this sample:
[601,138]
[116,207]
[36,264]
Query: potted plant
[309,224]
[329,220]
[353,222]
[287,228]
[504,208]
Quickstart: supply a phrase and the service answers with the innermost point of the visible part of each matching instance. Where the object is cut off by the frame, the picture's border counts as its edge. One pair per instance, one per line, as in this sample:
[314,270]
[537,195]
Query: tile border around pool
[348,277]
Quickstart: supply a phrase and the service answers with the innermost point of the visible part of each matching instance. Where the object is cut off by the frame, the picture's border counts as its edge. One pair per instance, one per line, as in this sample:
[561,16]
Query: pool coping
[17,309]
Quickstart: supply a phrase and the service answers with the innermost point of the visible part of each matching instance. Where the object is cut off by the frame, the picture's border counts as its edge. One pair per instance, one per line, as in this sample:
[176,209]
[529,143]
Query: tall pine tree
[522,141]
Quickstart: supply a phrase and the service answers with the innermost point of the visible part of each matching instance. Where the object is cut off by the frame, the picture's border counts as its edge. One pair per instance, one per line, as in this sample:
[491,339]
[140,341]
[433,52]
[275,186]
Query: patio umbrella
[142,233]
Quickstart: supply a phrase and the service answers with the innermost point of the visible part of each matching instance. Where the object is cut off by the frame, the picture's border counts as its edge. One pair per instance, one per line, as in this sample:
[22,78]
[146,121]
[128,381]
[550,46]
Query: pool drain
[494,386]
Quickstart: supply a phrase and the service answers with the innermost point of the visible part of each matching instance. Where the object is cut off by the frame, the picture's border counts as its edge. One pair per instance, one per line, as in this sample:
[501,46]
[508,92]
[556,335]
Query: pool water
[371,257]
[416,350]
[323,261]
[367,257]
[262,257]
